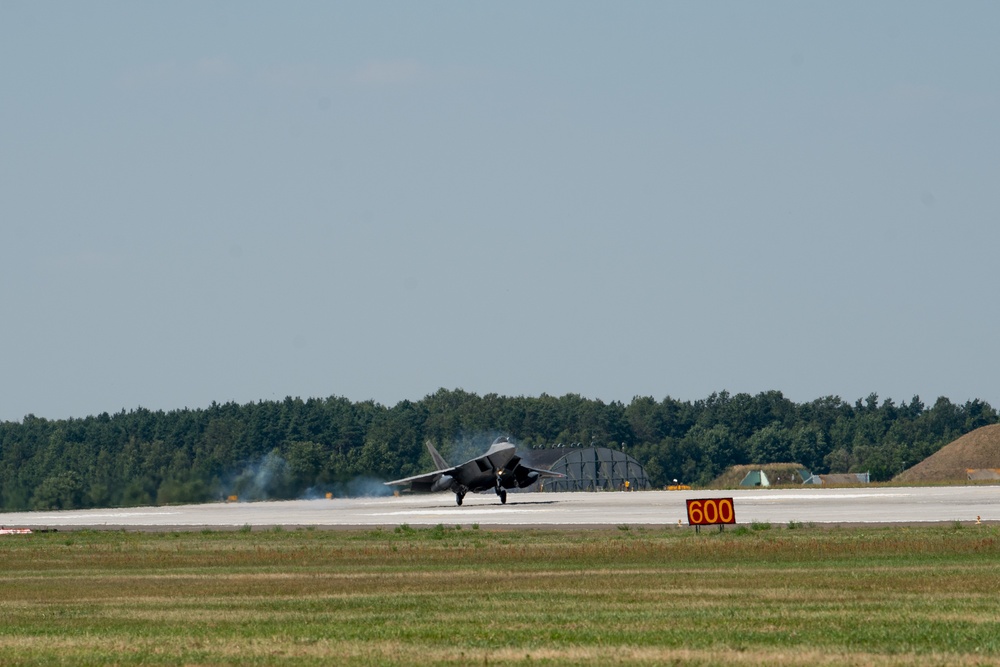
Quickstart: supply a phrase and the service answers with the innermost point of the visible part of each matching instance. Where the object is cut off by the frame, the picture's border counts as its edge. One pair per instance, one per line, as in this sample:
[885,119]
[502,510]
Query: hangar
[589,469]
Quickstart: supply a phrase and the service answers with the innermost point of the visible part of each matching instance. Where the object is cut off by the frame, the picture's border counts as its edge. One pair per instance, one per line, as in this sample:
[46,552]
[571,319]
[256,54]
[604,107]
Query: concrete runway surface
[649,508]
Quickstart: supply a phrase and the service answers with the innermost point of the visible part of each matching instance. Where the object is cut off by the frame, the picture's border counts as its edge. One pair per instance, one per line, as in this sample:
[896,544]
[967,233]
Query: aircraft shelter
[590,469]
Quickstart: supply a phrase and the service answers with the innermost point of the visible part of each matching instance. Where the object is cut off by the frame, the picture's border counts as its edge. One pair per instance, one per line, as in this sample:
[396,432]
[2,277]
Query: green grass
[444,595]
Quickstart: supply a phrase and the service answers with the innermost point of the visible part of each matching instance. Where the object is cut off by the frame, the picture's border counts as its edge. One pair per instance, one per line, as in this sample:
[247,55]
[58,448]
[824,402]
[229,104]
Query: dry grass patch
[886,596]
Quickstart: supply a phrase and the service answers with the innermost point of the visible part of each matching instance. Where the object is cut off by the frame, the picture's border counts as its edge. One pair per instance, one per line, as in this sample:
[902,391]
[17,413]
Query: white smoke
[269,477]
[359,487]
[469,446]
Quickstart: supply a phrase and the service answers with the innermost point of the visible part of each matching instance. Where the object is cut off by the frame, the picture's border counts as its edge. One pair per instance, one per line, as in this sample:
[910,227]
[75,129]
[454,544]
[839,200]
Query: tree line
[294,447]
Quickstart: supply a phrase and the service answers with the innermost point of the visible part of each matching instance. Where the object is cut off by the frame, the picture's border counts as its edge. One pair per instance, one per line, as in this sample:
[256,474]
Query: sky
[243,201]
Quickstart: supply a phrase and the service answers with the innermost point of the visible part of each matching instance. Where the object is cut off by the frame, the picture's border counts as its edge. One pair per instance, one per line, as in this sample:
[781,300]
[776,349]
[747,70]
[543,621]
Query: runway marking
[452,512]
[839,496]
[115,515]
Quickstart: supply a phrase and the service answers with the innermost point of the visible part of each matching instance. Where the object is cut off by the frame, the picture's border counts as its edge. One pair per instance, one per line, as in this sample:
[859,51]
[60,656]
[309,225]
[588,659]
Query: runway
[888,505]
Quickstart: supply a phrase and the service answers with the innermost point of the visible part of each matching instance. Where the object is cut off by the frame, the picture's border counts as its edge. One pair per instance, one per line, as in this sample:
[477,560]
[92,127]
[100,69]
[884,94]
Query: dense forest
[294,447]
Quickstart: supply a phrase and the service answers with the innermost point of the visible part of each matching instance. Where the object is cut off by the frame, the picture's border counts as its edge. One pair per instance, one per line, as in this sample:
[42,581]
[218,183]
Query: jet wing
[517,464]
[517,474]
[523,472]
[543,473]
[426,478]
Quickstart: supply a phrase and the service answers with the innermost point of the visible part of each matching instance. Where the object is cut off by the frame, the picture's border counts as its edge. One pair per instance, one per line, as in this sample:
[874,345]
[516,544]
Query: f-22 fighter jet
[499,469]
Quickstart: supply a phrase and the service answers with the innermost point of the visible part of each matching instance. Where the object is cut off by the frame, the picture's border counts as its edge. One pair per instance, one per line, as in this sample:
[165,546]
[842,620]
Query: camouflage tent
[756,478]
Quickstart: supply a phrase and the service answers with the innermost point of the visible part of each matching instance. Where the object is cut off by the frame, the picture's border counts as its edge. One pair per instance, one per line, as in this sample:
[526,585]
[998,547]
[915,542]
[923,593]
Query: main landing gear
[502,492]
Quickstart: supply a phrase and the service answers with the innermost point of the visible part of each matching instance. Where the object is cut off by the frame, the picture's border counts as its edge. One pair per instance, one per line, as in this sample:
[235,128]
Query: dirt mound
[788,473]
[979,449]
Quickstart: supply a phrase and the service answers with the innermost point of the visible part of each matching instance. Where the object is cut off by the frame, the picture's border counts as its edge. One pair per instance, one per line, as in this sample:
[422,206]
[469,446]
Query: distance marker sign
[710,511]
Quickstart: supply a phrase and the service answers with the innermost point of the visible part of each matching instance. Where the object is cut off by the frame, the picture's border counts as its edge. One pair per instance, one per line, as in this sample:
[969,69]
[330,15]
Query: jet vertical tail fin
[439,461]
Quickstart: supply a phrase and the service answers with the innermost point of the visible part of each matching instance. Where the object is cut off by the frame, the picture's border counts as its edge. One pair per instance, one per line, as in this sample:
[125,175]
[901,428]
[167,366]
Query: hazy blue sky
[238,201]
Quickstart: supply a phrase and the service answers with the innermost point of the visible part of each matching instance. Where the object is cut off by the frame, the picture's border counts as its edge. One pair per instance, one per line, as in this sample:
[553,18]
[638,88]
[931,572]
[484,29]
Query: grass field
[761,596]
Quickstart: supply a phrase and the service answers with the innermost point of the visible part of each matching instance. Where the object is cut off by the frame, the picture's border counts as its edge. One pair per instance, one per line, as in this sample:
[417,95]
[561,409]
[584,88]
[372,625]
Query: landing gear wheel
[503,496]
[459,497]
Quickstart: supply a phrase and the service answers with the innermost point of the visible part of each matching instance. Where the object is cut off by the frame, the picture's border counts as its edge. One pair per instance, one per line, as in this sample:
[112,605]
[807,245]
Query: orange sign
[710,511]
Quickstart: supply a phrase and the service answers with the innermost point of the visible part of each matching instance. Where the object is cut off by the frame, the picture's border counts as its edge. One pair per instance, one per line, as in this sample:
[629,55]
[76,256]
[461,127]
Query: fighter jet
[498,469]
